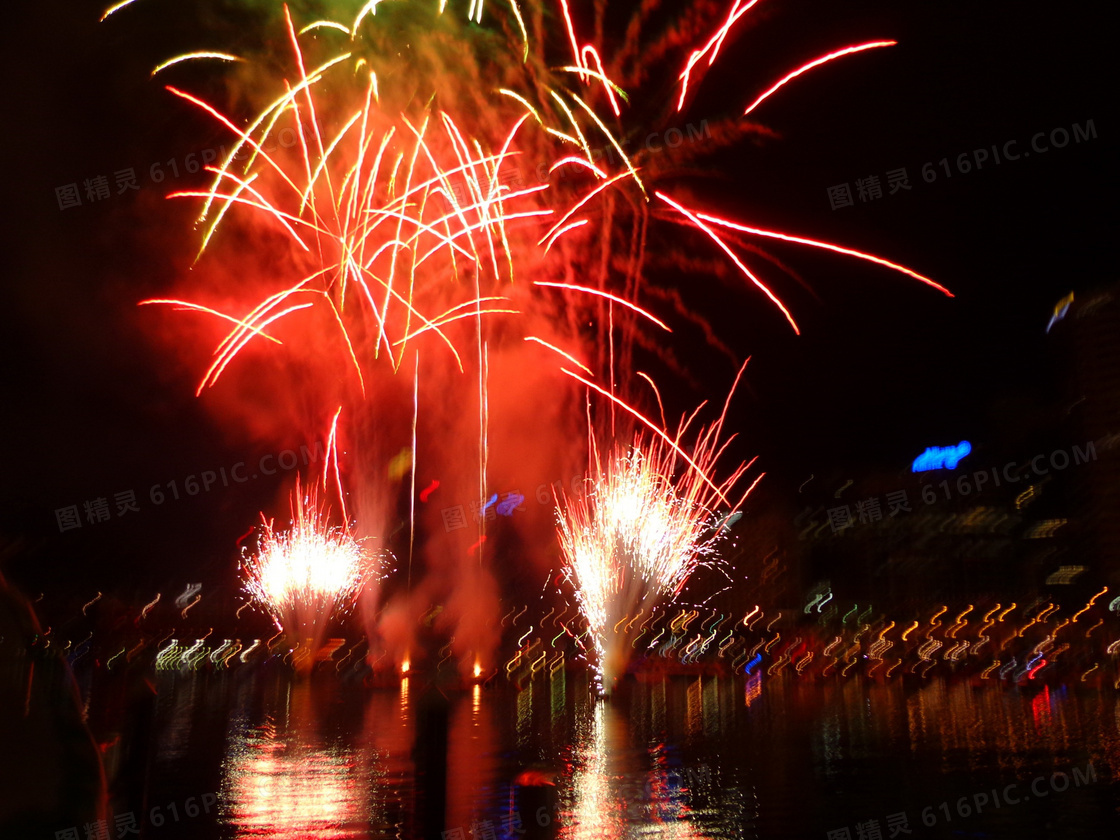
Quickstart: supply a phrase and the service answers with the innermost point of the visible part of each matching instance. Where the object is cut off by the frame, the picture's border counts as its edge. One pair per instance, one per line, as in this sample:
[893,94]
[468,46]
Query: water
[678,757]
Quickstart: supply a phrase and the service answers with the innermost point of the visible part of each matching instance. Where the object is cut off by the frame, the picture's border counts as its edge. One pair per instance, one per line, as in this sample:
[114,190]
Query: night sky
[884,367]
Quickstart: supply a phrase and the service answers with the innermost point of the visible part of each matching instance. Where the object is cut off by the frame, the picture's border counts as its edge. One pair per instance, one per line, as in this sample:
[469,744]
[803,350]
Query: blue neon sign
[941,457]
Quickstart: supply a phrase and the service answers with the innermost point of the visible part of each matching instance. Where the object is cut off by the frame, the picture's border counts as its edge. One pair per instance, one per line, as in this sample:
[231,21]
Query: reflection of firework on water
[280,781]
[646,523]
[307,573]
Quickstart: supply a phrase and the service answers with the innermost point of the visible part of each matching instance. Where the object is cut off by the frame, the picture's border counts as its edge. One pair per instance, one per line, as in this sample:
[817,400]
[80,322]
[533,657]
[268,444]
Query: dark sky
[884,368]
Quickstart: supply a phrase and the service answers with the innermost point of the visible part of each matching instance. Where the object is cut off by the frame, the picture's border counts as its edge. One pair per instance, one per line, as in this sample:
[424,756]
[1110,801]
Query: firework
[397,216]
[648,520]
[403,219]
[308,572]
[435,163]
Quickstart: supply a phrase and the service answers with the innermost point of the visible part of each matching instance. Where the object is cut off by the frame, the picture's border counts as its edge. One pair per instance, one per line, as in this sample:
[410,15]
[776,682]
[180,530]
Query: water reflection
[621,788]
[980,728]
[283,787]
[473,755]
[281,781]
[594,810]
[681,757]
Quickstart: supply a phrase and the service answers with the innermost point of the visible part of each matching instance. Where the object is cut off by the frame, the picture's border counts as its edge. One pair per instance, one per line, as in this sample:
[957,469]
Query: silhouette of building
[1085,330]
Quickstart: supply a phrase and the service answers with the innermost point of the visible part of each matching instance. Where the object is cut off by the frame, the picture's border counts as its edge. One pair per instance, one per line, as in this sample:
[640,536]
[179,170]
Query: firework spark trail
[442,225]
[116,8]
[712,47]
[824,59]
[813,243]
[399,221]
[310,571]
[693,462]
[193,56]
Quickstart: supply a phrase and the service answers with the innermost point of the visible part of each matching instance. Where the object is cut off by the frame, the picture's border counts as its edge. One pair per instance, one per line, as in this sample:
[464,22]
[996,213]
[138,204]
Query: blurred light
[941,457]
[1045,529]
[1024,497]
[400,464]
[1088,606]
[1060,310]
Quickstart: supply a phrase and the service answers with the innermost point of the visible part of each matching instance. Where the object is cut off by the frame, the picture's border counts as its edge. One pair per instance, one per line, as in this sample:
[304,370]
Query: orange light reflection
[281,788]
